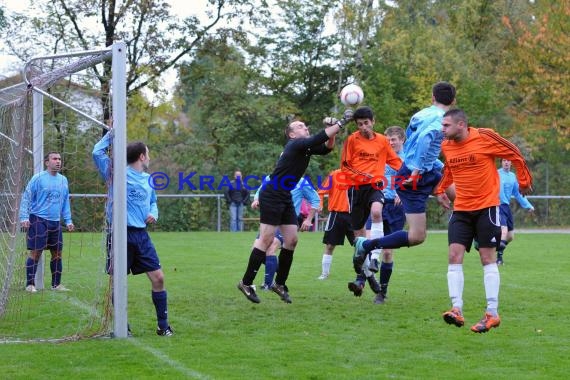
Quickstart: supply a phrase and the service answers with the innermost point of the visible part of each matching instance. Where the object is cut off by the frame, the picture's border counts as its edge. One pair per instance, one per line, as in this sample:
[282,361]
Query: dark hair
[396,130]
[134,150]
[444,93]
[363,113]
[456,114]
[46,157]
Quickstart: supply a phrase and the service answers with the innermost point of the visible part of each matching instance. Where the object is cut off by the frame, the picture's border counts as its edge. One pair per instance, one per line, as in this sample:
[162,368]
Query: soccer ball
[351,95]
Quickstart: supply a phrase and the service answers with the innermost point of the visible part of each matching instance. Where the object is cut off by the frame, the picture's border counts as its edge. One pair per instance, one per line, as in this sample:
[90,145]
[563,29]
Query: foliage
[539,72]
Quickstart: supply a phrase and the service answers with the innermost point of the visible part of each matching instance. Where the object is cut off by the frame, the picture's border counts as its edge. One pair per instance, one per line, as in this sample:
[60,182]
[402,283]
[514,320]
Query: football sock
[56,266]
[270,269]
[492,281]
[326,263]
[285,262]
[376,231]
[455,281]
[31,267]
[159,299]
[385,273]
[256,258]
[397,239]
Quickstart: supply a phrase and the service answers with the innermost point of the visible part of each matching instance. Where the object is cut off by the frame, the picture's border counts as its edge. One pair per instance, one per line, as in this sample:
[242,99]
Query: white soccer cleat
[31,289]
[60,288]
[323,276]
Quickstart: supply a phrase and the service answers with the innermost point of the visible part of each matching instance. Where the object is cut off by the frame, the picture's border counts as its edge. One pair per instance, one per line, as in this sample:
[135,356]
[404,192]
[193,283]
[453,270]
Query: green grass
[326,333]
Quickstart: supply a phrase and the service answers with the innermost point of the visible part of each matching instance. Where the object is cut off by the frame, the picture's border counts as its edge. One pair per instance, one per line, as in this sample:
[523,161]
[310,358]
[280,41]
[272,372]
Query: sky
[182,8]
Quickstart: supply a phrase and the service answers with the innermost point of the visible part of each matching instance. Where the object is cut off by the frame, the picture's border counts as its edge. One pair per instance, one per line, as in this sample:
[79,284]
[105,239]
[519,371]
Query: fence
[208,212]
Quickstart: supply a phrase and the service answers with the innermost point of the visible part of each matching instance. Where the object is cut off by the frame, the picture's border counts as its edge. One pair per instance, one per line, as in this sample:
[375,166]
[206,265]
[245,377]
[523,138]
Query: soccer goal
[63,105]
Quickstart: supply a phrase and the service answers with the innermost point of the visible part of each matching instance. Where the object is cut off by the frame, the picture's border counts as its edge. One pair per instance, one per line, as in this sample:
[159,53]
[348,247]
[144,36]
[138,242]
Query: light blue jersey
[141,197]
[305,190]
[423,140]
[103,163]
[46,196]
[389,173]
[510,188]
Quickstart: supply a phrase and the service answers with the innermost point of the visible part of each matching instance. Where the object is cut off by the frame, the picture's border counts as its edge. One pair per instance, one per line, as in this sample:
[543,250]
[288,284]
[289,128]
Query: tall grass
[326,333]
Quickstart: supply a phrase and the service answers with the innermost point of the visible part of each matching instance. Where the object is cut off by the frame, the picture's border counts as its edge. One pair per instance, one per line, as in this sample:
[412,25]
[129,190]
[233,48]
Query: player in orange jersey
[364,157]
[470,155]
[338,223]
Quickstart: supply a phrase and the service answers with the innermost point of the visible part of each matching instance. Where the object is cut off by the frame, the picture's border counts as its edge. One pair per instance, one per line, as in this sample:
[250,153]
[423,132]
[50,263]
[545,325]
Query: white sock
[455,282]
[492,281]
[376,231]
[365,269]
[327,261]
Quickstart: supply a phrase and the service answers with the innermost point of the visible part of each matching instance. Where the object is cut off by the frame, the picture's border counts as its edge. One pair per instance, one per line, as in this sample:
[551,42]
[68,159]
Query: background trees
[253,65]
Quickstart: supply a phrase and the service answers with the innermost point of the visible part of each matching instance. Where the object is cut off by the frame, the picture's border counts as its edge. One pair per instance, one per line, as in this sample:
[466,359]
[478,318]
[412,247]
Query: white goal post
[63,80]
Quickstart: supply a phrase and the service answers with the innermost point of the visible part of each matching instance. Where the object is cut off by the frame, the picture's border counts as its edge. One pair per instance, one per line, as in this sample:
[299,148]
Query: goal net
[62,105]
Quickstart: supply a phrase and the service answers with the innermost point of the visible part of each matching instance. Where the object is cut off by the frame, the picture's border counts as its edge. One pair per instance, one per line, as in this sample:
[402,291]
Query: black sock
[256,258]
[285,262]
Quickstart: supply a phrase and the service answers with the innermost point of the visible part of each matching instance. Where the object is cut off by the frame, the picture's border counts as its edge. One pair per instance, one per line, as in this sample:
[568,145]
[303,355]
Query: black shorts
[359,199]
[482,225]
[337,227]
[276,212]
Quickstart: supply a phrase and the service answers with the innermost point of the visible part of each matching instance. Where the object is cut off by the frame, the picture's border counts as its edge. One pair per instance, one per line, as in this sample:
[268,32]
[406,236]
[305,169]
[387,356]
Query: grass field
[326,333]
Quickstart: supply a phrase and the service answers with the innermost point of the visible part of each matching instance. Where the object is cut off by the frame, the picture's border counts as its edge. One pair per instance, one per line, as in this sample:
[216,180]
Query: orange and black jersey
[363,160]
[470,165]
[336,189]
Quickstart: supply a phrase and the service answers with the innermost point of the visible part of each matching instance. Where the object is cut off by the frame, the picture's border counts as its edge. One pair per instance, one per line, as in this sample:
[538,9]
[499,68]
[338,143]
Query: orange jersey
[338,198]
[363,160]
[470,164]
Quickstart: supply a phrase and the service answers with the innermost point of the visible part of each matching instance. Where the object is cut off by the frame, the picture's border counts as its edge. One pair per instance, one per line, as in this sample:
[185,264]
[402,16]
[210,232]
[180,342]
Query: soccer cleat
[373,266]
[500,259]
[31,289]
[374,285]
[380,298]
[265,287]
[454,317]
[356,288]
[281,291]
[323,276]
[60,288]
[488,322]
[248,291]
[358,248]
[166,332]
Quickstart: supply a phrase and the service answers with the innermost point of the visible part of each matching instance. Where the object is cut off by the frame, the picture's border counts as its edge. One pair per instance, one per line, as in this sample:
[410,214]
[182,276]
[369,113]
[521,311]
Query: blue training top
[141,197]
[423,139]
[46,196]
[510,188]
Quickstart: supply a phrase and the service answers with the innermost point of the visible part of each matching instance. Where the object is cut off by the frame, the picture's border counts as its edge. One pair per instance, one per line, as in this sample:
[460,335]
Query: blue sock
[160,304]
[270,269]
[385,274]
[397,239]
[56,267]
[31,268]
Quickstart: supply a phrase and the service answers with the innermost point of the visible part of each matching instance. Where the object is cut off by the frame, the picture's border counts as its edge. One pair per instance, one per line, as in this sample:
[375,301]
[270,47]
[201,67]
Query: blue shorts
[141,254]
[506,217]
[44,234]
[393,217]
[414,197]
